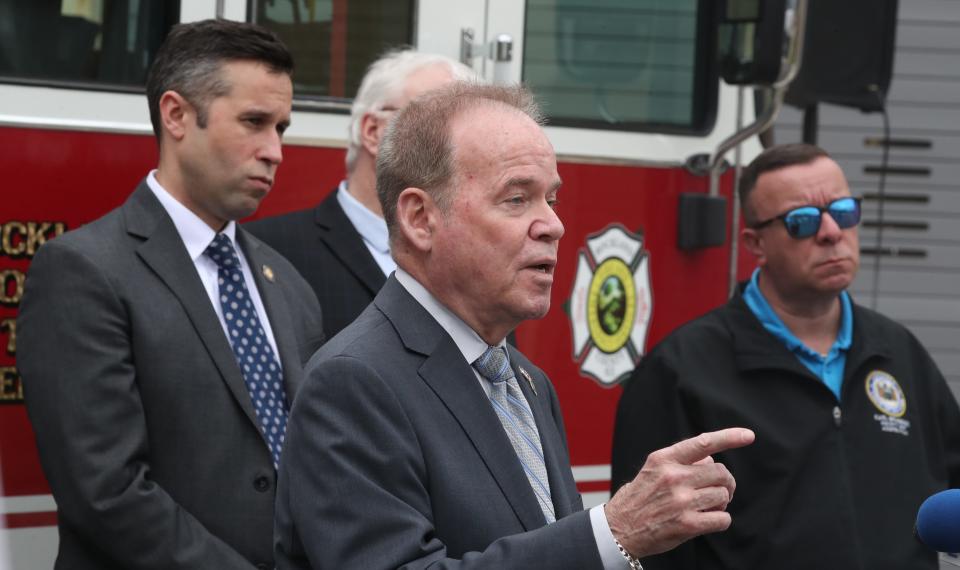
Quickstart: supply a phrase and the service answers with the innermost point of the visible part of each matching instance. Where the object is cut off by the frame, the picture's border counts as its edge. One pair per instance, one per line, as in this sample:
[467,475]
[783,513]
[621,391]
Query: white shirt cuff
[609,553]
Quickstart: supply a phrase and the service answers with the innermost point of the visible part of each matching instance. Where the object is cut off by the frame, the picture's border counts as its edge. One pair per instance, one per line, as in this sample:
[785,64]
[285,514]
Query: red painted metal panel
[70,178]
[684,285]
[28,520]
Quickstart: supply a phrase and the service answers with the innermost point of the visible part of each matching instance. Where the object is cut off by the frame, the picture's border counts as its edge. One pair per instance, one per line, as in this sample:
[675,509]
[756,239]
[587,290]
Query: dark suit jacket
[145,429]
[326,249]
[396,459]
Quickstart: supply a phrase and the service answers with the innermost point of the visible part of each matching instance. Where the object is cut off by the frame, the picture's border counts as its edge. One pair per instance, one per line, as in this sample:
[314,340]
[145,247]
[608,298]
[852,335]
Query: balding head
[417,150]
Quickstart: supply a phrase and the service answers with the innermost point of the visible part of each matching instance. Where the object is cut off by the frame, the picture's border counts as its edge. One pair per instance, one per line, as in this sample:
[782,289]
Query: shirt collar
[371,227]
[194,232]
[768,318]
[845,336]
[466,339]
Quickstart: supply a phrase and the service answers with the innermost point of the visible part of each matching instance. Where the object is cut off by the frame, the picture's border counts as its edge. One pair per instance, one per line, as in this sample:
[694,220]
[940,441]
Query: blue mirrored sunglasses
[804,221]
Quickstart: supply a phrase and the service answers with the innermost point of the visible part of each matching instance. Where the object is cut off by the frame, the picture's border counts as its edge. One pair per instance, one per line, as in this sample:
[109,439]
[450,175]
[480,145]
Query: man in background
[161,345]
[855,424]
[420,437]
[341,246]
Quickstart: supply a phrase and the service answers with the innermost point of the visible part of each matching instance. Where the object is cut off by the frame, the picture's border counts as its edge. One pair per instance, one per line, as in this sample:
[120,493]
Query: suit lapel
[277,311]
[163,251]
[345,242]
[453,381]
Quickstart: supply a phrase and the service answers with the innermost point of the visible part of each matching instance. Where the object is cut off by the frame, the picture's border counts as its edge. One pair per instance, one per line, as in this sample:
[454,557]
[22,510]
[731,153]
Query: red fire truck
[636,108]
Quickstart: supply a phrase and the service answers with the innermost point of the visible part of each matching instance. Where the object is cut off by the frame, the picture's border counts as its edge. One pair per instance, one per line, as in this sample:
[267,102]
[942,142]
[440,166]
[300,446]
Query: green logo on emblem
[610,305]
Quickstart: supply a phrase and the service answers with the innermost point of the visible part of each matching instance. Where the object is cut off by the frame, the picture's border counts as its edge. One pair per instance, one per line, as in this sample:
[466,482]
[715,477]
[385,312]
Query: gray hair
[385,79]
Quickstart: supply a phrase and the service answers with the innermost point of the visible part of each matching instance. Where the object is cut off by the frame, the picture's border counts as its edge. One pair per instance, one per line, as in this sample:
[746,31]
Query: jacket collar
[345,242]
[451,378]
[756,348]
[164,252]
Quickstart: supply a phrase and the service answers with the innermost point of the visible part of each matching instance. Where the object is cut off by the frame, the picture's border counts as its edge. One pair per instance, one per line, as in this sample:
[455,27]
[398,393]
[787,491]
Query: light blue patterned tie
[260,367]
[517,420]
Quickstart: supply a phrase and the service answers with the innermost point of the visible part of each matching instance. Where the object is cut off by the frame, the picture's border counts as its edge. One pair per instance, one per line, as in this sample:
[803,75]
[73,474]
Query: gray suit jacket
[396,459]
[145,429]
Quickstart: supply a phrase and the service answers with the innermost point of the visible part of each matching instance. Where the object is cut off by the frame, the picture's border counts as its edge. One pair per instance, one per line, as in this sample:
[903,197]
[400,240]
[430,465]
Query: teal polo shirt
[828,368]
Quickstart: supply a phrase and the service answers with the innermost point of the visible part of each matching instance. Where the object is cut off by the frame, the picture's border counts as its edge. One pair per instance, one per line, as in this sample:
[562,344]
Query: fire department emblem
[610,305]
[885,393]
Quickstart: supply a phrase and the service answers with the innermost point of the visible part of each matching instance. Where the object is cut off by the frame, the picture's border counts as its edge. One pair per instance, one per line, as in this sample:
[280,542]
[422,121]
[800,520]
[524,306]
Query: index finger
[689,451]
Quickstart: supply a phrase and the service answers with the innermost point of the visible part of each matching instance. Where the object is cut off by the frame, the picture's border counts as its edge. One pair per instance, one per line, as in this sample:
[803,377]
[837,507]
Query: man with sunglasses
[855,424]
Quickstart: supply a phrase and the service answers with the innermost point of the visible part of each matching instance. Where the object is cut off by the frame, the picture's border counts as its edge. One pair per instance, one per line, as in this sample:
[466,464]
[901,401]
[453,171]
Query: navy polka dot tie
[259,364]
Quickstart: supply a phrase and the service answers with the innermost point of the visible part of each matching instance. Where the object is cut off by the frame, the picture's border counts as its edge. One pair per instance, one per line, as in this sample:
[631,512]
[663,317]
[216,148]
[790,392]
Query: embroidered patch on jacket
[888,397]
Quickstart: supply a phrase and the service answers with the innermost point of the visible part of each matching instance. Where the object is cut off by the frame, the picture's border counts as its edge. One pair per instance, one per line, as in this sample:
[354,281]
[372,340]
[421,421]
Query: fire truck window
[621,64]
[333,41]
[98,42]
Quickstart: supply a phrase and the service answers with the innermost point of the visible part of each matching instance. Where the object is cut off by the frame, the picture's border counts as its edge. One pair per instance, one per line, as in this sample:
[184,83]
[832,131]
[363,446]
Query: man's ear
[175,114]
[371,131]
[417,218]
[754,244]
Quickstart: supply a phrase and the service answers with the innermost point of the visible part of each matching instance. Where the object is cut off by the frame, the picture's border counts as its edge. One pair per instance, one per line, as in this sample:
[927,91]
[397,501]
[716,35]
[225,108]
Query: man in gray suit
[402,455]
[161,345]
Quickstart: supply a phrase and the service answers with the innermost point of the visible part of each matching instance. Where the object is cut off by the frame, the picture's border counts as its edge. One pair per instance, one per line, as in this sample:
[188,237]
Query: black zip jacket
[827,484]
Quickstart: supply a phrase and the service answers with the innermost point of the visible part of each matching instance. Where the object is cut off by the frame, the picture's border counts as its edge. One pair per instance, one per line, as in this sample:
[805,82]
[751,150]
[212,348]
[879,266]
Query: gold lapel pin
[268,273]
[529,380]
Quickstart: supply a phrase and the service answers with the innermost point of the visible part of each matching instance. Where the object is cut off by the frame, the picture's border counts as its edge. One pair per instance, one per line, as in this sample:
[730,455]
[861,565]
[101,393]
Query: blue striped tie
[258,363]
[517,420]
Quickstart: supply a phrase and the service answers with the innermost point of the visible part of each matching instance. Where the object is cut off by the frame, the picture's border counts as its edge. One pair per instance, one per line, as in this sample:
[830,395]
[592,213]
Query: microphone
[938,521]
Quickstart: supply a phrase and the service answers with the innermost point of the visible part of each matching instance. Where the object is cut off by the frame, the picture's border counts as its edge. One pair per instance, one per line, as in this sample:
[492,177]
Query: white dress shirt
[472,346]
[371,227]
[196,236]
